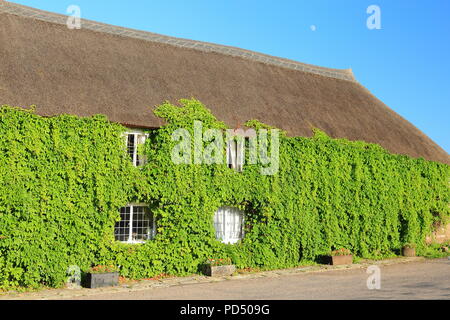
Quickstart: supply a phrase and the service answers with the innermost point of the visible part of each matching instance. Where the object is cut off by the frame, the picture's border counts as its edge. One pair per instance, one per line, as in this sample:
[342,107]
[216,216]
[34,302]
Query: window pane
[236,154]
[228,223]
[231,154]
[140,158]
[219,224]
[131,146]
[143,228]
[240,154]
[122,228]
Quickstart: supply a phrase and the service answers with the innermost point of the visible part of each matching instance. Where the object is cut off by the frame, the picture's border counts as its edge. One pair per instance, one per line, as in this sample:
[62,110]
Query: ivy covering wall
[63,180]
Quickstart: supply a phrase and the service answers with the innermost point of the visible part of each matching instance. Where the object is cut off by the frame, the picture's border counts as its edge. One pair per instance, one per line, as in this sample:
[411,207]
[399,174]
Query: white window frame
[225,220]
[236,154]
[130,230]
[236,146]
[137,134]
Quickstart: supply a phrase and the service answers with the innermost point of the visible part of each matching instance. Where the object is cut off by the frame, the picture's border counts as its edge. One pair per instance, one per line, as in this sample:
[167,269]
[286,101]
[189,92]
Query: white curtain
[240,155]
[231,154]
[228,222]
[236,154]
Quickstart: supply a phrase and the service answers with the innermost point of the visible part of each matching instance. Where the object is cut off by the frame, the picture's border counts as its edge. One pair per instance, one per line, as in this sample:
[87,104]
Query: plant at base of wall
[341,252]
[219,262]
[409,250]
[103,269]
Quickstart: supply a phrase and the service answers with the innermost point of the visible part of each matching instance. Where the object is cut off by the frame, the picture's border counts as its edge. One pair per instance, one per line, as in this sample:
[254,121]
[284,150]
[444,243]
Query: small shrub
[103,269]
[218,262]
[341,252]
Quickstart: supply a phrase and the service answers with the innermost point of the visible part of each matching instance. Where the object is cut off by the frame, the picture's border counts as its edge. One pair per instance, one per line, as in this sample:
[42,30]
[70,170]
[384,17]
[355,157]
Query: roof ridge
[29,12]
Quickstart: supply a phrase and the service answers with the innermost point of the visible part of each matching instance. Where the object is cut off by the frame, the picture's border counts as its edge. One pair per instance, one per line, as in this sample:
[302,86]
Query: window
[235,154]
[228,222]
[137,224]
[134,139]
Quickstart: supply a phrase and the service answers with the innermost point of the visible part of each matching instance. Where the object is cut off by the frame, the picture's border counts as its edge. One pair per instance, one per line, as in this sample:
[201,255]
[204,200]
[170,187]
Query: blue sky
[406,64]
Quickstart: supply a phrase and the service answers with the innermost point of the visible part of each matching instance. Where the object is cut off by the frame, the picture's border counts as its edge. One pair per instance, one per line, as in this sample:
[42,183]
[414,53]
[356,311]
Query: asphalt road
[429,279]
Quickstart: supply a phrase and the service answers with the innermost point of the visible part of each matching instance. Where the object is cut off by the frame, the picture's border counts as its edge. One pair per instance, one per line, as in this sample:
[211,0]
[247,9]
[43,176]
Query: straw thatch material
[123,74]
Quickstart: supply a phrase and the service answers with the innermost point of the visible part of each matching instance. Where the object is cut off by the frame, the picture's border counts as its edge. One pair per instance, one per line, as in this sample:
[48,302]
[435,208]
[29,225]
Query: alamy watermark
[74,20]
[374,280]
[207,147]
[374,20]
[73,280]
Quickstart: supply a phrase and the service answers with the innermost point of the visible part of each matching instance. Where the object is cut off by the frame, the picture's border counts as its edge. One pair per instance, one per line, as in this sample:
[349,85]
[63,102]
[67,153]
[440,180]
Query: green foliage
[103,269]
[437,250]
[341,252]
[61,182]
[63,179]
[218,262]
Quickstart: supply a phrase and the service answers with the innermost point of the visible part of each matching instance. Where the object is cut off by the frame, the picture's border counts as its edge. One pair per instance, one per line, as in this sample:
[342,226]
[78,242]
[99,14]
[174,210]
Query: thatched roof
[122,73]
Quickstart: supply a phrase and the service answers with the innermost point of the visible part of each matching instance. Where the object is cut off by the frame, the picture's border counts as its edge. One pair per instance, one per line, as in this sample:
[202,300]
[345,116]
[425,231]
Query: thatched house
[119,72]
[65,180]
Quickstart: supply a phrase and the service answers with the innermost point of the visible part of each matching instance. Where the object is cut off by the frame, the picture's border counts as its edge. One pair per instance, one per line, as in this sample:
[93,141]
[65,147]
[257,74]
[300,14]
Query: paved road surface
[429,279]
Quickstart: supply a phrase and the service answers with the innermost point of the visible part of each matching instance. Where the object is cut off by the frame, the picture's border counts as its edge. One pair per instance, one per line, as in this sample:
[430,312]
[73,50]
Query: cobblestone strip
[20,10]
